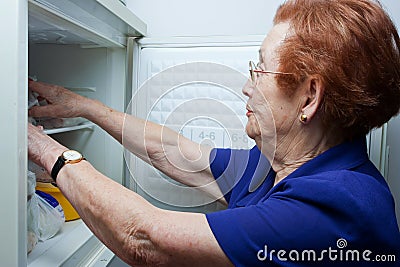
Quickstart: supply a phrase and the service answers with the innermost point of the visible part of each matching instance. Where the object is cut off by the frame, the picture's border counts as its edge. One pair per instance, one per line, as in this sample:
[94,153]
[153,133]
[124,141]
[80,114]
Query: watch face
[72,155]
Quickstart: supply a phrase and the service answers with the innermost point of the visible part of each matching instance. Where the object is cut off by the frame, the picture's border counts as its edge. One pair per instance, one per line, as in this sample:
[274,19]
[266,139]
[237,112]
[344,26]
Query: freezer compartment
[81,45]
[97,73]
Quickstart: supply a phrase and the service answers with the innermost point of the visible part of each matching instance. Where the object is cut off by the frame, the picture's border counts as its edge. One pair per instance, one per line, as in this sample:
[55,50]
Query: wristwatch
[68,156]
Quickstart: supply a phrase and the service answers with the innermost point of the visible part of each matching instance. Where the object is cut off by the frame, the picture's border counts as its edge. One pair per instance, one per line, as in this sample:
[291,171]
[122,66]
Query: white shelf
[57,250]
[88,125]
[74,245]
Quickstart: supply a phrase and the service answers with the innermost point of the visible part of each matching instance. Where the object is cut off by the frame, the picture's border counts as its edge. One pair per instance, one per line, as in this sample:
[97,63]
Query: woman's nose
[247,89]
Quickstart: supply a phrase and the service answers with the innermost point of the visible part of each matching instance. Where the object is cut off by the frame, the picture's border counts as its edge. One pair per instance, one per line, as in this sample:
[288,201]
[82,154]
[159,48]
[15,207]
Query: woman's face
[271,114]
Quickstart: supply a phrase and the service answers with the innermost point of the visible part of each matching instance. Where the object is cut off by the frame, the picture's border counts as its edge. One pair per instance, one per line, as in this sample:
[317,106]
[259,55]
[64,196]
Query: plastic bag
[47,122]
[32,213]
[32,99]
[45,216]
[41,174]
[31,183]
[51,216]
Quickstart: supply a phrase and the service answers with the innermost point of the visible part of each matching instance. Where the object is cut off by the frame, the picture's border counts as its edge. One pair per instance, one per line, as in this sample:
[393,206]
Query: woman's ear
[314,91]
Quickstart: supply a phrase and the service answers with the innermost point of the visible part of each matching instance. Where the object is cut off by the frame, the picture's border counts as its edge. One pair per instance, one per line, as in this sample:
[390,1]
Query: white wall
[206,17]
[216,17]
[393,8]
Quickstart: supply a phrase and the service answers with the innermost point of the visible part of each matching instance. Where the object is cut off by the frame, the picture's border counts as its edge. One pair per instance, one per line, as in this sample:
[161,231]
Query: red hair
[354,47]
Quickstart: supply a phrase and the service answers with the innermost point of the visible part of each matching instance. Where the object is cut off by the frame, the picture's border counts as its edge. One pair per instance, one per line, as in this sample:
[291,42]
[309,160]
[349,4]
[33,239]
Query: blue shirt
[336,209]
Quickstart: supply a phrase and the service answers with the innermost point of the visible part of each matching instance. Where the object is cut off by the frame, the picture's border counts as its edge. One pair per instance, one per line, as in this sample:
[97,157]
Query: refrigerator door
[13,105]
[192,85]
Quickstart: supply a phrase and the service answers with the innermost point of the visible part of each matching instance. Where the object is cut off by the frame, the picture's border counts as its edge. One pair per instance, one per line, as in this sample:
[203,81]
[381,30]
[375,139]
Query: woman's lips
[249,111]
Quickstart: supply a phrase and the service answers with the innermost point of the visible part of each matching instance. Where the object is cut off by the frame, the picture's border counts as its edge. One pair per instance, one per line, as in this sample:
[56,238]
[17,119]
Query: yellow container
[69,211]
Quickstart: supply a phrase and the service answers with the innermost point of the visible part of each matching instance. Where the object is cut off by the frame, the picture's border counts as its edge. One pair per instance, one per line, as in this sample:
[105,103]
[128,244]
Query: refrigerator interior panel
[204,108]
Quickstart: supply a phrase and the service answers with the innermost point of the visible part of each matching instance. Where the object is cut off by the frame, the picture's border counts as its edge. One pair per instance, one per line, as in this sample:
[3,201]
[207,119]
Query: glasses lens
[251,69]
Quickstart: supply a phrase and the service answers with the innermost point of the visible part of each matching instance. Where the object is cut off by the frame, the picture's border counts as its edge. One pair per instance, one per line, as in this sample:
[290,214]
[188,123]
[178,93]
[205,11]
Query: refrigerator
[81,45]
[99,48]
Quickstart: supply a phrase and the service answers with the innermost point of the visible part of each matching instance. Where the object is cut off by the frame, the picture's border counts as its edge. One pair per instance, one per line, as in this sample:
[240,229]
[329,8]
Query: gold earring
[303,118]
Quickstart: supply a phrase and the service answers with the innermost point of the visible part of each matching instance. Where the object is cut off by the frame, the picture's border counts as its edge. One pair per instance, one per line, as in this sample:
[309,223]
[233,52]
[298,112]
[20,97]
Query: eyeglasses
[255,69]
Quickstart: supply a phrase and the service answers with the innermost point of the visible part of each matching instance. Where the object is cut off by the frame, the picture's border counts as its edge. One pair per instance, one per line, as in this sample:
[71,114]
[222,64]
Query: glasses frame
[253,69]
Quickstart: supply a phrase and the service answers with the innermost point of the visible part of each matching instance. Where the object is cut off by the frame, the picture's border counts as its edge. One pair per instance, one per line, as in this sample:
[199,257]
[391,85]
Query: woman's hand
[62,103]
[42,149]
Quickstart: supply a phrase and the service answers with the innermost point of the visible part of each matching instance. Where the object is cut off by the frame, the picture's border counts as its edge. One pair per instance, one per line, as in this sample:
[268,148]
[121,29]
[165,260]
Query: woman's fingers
[42,111]
[61,102]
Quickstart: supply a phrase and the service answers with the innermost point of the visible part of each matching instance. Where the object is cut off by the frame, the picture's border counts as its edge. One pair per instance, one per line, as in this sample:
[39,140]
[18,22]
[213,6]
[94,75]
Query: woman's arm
[136,231]
[171,153]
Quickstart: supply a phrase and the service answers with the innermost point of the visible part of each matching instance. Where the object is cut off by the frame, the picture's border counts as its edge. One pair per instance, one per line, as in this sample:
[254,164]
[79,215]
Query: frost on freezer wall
[393,8]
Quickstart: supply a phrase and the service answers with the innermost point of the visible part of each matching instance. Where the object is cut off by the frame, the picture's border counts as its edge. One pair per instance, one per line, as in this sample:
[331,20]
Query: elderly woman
[328,72]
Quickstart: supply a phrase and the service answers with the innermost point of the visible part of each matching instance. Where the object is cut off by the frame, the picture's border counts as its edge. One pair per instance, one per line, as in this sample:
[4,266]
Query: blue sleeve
[228,167]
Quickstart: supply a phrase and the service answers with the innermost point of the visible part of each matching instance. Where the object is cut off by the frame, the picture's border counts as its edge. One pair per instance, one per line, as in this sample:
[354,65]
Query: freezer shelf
[74,245]
[58,249]
[88,125]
